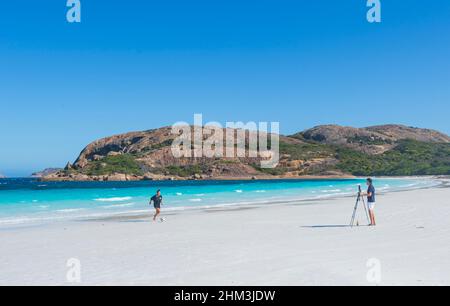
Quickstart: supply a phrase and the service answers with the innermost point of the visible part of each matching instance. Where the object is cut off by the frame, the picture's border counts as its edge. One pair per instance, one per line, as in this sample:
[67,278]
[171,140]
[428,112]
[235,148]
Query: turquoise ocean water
[28,201]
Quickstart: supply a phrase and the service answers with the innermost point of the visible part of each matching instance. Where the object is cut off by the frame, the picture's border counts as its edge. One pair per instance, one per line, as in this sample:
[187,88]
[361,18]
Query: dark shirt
[156,201]
[371,190]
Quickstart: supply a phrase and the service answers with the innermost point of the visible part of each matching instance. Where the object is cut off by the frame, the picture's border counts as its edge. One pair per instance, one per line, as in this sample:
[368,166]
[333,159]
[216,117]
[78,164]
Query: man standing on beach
[371,201]
[157,201]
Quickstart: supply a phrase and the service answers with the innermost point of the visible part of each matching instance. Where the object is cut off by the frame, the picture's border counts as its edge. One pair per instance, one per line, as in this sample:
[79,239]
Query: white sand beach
[306,243]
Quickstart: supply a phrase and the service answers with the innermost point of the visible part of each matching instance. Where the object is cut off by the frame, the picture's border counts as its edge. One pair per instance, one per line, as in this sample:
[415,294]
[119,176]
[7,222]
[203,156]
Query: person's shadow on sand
[135,221]
[330,226]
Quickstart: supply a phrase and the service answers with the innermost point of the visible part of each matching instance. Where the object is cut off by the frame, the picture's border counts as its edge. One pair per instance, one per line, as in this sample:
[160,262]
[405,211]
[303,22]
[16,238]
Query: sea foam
[119,205]
[117,199]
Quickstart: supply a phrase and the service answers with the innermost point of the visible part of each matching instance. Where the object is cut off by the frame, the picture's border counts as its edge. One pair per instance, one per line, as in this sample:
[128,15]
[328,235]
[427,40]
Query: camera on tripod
[359,199]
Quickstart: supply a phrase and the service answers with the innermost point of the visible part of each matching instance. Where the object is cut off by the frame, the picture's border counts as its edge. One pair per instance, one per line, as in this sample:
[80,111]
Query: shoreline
[267,245]
[180,179]
[240,206]
[246,178]
[145,213]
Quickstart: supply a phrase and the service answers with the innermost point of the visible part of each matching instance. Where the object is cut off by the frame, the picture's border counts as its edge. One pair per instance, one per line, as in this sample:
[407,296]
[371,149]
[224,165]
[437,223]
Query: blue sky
[135,65]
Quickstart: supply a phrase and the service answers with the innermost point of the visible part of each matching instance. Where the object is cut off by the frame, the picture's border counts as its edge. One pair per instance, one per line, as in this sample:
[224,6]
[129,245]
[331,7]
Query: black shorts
[157,206]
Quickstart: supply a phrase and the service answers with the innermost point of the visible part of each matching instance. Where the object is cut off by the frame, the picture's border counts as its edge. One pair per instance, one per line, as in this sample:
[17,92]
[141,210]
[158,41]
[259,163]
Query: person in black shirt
[371,201]
[157,201]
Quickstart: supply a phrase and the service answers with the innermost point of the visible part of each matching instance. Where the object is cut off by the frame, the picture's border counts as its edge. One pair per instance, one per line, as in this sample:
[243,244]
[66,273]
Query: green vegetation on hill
[305,151]
[298,151]
[409,157]
[270,171]
[124,164]
[366,140]
[186,171]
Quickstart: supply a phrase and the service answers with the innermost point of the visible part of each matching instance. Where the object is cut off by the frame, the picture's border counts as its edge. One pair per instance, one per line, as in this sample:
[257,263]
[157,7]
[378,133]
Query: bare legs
[158,211]
[372,217]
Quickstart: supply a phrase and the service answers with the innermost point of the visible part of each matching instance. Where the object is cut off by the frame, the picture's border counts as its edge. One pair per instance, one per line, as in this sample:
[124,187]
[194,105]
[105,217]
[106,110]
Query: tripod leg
[352,222]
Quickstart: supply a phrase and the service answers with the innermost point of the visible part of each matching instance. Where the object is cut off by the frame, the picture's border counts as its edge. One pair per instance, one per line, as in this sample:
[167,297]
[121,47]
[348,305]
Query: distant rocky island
[323,151]
[46,172]
[2,176]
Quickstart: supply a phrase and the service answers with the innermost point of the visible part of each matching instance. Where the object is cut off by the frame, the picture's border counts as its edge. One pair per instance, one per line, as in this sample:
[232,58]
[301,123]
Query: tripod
[360,198]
